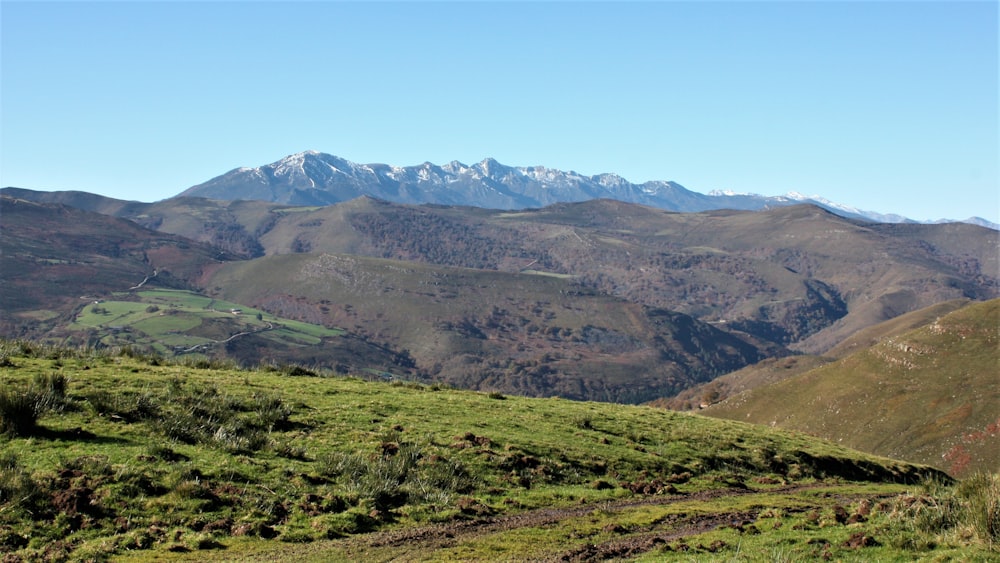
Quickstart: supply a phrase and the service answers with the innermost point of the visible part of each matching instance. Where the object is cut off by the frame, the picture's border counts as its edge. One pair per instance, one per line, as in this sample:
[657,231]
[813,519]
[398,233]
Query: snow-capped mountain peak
[314,178]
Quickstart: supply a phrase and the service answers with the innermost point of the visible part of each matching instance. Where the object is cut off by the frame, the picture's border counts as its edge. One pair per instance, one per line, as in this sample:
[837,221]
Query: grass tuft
[923,520]
[17,489]
[20,408]
[980,495]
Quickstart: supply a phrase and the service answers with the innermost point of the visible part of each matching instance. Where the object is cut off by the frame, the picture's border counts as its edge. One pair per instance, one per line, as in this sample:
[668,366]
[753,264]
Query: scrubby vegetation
[948,366]
[936,515]
[117,453]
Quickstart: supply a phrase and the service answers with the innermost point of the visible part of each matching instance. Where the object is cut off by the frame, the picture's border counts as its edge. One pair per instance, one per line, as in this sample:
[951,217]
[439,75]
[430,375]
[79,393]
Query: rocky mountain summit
[315,178]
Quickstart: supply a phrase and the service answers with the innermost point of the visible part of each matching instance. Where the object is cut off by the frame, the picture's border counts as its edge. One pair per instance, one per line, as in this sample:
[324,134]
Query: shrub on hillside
[127,407]
[204,416]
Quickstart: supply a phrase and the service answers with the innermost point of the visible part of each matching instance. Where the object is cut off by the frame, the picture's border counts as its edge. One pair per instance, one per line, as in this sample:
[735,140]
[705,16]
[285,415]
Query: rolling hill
[226,225]
[928,395]
[796,276]
[519,333]
[139,460]
[83,278]
[144,439]
[57,258]
[527,333]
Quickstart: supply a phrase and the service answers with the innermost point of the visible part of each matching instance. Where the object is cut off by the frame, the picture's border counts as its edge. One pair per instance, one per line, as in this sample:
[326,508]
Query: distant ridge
[315,178]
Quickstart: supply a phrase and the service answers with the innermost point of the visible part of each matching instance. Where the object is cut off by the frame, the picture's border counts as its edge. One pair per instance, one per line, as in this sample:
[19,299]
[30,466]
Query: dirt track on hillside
[428,538]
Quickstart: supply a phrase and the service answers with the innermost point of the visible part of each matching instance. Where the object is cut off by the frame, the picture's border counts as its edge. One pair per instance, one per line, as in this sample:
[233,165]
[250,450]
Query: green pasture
[166,320]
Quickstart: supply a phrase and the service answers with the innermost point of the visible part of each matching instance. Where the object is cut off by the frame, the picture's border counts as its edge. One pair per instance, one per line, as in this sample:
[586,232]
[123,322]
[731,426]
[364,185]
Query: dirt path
[421,543]
[674,529]
[452,532]
[143,282]
[439,536]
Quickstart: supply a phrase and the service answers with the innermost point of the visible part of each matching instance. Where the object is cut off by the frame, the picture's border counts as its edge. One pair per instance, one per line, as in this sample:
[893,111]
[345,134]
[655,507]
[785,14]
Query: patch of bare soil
[676,528]
[449,534]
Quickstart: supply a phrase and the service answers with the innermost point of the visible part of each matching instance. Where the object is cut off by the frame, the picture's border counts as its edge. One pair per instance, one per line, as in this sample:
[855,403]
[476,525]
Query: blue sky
[886,106]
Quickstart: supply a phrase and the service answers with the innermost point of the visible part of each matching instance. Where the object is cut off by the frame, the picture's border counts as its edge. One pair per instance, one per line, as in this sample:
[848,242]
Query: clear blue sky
[886,106]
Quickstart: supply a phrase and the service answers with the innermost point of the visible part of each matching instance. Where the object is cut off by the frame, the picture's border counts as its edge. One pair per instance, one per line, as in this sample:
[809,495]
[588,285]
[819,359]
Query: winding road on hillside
[233,337]
[143,282]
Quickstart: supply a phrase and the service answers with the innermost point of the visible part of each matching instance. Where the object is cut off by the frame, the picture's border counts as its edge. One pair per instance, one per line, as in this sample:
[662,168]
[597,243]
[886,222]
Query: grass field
[177,322]
[113,455]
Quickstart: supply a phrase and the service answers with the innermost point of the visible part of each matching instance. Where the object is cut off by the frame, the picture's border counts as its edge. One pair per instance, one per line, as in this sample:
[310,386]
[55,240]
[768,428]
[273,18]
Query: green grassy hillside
[172,320]
[108,454]
[894,327]
[929,395]
[186,325]
[763,373]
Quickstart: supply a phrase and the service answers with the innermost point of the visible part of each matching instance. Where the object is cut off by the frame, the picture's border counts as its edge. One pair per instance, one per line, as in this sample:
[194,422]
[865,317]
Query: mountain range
[314,178]
[504,286]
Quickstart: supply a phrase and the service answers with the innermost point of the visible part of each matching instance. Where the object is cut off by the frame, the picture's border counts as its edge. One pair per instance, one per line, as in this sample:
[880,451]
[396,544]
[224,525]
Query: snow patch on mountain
[315,178]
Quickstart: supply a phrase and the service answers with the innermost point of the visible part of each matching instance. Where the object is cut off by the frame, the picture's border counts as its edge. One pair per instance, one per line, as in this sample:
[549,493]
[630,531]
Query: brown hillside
[794,276]
[54,259]
[528,334]
[758,283]
[929,395]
